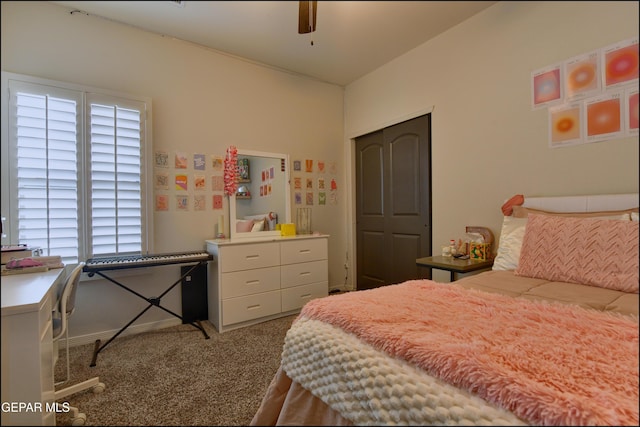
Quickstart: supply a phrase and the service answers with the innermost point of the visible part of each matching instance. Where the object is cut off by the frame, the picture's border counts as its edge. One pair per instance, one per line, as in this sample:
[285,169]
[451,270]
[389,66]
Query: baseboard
[131,330]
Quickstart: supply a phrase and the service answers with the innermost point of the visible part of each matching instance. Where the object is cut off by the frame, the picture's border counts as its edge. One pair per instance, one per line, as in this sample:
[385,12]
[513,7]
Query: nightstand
[453,265]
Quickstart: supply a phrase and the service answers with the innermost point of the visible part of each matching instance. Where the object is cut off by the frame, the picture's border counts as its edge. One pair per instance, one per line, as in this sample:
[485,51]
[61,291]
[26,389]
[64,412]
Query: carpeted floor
[175,376]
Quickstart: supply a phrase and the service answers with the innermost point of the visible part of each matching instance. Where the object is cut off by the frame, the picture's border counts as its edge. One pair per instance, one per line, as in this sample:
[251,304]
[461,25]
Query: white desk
[27,347]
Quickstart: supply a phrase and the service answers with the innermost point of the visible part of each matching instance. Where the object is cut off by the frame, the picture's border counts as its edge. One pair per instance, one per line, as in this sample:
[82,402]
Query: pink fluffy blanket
[549,364]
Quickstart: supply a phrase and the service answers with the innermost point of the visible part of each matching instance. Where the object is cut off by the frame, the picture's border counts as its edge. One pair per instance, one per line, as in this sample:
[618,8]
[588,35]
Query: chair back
[67,300]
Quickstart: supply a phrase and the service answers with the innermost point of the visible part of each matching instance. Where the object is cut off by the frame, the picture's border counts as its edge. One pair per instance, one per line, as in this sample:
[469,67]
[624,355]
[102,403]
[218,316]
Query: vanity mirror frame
[287,197]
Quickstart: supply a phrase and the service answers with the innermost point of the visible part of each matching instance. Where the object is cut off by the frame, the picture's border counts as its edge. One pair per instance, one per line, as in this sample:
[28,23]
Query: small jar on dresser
[255,280]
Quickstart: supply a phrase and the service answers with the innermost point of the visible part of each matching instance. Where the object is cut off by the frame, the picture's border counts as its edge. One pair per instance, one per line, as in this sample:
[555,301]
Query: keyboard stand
[152,302]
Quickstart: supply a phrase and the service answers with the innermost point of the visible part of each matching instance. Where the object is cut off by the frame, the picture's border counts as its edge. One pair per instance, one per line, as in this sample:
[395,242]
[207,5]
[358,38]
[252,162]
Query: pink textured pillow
[590,251]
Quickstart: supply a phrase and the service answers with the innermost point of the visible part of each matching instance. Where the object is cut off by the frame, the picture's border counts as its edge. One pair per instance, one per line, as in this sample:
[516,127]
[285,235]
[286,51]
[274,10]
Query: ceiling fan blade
[307,17]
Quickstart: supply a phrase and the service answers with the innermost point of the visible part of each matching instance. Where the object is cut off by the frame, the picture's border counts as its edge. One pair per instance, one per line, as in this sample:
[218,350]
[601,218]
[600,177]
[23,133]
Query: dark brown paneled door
[393,203]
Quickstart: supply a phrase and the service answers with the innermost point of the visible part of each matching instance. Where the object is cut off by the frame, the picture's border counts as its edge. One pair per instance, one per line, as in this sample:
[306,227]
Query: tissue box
[288,229]
[479,251]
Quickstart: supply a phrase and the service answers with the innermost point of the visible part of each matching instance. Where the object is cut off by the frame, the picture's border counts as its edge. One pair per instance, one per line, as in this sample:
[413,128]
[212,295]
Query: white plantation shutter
[116,178]
[46,162]
[76,170]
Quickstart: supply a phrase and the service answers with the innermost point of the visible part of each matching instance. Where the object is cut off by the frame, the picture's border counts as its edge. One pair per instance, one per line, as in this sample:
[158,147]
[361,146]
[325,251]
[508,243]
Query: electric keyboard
[134,261]
[98,265]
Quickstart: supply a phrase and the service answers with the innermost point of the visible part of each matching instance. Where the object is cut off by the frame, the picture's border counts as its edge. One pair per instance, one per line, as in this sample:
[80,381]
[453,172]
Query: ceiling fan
[307,17]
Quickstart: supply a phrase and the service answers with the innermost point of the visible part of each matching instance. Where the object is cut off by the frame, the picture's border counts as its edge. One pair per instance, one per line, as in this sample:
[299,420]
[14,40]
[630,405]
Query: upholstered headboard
[588,203]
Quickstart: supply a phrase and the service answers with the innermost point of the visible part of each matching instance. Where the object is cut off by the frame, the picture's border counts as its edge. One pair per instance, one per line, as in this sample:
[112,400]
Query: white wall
[203,102]
[488,144]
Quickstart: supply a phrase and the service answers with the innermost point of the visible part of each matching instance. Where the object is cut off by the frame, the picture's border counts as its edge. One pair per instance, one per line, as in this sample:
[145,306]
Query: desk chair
[64,308]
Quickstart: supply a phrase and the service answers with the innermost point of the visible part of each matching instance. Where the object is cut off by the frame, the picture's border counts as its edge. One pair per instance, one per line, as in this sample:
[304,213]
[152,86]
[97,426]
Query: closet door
[393,203]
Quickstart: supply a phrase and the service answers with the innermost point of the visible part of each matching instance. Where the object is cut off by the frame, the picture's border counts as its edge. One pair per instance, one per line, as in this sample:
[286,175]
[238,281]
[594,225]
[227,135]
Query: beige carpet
[175,376]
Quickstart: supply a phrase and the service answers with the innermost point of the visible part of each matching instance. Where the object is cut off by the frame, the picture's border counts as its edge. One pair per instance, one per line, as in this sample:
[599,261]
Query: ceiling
[352,38]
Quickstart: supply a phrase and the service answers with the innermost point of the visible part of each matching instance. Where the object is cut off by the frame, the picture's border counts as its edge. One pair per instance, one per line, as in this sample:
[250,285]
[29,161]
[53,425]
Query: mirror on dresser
[263,196]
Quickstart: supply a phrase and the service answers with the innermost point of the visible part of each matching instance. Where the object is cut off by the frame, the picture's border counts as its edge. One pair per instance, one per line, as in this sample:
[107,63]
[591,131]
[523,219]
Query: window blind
[47,173]
[115,179]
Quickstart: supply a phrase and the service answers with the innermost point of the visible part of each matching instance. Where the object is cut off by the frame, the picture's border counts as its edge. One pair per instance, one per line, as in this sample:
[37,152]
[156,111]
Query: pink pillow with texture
[590,251]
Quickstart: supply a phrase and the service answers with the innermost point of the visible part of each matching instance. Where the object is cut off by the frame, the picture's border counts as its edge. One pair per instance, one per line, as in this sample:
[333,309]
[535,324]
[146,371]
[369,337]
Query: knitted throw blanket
[549,364]
[370,388]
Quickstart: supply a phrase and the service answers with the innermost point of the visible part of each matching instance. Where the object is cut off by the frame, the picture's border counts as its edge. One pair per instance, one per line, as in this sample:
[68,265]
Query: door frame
[350,175]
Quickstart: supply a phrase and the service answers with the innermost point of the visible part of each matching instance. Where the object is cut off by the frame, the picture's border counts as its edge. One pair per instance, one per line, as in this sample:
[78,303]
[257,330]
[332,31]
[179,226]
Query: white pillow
[634,216]
[258,225]
[510,243]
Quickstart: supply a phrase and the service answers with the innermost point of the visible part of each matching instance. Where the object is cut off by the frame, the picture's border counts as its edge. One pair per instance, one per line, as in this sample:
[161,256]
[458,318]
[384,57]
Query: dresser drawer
[247,282]
[304,273]
[245,257]
[304,250]
[241,309]
[294,298]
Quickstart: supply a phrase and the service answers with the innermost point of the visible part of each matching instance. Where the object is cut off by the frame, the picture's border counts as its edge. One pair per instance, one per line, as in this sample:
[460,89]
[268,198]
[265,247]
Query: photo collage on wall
[185,182]
[314,183]
[590,97]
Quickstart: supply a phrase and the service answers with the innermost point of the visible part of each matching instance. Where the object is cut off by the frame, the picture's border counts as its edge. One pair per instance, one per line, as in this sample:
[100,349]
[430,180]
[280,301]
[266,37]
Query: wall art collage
[195,182]
[185,183]
[590,97]
[314,183]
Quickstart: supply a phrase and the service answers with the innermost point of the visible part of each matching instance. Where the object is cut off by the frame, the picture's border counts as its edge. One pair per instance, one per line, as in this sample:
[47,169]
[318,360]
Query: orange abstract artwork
[565,125]
[582,77]
[633,111]
[603,117]
[621,65]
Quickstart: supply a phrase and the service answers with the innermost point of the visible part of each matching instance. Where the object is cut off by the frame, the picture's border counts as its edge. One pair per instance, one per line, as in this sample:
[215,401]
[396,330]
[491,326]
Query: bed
[549,336]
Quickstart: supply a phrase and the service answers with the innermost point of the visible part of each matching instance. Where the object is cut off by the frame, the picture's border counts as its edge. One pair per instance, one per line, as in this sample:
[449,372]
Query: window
[76,169]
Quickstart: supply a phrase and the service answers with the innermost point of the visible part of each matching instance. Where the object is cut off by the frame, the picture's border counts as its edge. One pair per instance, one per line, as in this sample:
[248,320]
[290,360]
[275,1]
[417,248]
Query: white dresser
[251,281]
